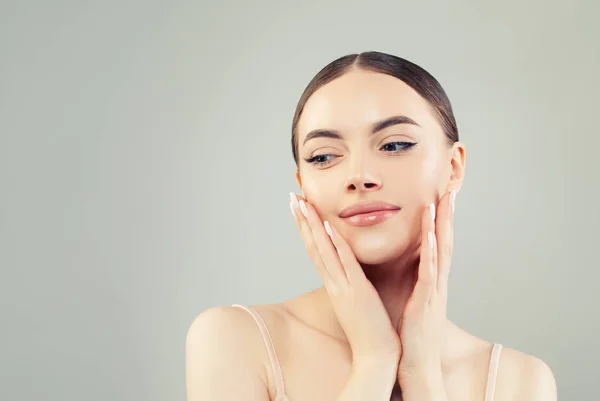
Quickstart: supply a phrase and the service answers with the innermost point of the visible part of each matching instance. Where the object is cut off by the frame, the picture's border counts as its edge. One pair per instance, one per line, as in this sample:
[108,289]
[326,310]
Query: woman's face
[405,164]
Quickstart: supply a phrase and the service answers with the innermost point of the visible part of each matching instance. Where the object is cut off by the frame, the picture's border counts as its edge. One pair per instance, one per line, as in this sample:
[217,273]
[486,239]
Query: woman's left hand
[421,327]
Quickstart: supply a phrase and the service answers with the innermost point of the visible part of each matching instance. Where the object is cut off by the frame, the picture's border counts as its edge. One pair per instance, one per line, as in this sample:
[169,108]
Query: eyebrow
[378,126]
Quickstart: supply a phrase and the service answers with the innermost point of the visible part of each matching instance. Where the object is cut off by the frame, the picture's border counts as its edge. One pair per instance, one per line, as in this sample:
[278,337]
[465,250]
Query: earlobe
[457,167]
[299,180]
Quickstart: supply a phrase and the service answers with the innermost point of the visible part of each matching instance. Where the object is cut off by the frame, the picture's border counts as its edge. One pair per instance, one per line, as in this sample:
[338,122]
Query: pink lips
[369,213]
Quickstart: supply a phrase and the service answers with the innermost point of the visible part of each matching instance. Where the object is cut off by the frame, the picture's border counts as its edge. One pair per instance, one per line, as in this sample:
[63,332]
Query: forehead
[359,98]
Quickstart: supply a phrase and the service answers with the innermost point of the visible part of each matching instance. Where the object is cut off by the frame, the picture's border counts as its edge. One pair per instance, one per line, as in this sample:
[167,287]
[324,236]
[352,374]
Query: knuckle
[309,243]
[334,291]
[448,248]
[312,252]
[307,237]
[311,248]
[426,280]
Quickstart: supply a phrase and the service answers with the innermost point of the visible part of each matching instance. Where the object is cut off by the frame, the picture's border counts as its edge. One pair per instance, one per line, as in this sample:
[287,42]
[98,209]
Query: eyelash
[314,160]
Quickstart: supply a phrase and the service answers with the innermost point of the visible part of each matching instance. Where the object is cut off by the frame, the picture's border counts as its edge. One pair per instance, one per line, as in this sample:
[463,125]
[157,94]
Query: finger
[445,239]
[324,246]
[309,243]
[354,272]
[426,281]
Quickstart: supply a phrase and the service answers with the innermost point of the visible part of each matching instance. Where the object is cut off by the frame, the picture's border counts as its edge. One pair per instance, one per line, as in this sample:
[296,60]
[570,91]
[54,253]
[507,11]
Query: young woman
[379,165]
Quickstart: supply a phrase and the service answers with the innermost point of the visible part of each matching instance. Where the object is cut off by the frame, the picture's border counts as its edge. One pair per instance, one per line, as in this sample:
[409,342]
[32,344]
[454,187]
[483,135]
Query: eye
[320,160]
[397,147]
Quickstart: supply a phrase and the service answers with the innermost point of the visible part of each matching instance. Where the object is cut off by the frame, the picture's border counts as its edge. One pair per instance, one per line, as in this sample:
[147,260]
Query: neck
[394,282]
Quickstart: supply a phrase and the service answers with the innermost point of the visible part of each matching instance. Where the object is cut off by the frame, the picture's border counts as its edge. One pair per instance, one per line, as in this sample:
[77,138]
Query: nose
[362,183]
[362,179]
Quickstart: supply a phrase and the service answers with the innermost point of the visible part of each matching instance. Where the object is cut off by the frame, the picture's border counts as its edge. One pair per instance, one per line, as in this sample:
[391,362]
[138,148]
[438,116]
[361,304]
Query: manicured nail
[452,200]
[327,228]
[294,199]
[432,210]
[430,239]
[303,208]
[292,209]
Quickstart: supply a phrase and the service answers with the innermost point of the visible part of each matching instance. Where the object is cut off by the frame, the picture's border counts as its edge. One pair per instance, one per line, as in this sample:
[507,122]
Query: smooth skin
[414,343]
[379,320]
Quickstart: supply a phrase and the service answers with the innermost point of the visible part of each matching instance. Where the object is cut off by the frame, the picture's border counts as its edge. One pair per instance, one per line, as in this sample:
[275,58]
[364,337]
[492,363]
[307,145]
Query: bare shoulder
[229,325]
[221,355]
[524,377]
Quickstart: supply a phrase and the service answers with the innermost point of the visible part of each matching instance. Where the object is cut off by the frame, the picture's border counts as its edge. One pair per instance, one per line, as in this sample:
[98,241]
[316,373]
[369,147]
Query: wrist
[426,386]
[370,379]
[372,359]
[375,365]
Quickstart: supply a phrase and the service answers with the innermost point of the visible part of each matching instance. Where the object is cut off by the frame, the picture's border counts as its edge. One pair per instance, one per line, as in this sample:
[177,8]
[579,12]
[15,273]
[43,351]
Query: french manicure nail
[430,239]
[292,209]
[432,210]
[303,208]
[327,227]
[293,199]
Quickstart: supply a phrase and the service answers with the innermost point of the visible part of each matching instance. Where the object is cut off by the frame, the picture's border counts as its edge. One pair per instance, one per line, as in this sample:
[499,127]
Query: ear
[457,166]
[299,181]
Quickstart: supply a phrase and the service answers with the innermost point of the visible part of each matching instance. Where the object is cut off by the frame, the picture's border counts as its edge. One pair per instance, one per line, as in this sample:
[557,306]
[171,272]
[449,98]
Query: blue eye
[320,160]
[391,147]
[397,147]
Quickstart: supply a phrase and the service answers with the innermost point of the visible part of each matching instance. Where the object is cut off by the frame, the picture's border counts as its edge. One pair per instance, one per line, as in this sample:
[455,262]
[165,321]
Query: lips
[367,207]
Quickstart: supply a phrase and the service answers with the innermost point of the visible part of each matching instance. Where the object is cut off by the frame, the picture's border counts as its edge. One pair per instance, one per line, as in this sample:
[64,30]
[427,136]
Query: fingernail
[452,200]
[293,199]
[292,209]
[430,239]
[327,228]
[432,210]
[303,208]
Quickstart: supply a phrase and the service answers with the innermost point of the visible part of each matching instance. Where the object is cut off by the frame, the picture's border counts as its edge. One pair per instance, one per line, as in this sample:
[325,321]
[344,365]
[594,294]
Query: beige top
[280,394]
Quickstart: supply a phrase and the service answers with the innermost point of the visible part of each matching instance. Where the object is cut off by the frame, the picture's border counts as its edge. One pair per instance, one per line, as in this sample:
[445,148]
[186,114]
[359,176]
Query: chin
[378,248]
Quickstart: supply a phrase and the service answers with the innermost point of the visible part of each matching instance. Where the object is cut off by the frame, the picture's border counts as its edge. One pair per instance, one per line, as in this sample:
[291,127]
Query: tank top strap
[277,375]
[492,372]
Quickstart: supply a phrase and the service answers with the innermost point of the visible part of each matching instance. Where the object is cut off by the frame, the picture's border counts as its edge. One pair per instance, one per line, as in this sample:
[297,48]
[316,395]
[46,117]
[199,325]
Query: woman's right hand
[357,304]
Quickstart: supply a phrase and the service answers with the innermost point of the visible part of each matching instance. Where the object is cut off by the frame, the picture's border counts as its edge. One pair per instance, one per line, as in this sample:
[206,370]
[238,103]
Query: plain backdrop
[145,166]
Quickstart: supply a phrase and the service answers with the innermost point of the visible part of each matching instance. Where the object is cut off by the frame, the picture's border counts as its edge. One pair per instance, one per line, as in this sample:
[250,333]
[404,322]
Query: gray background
[145,167]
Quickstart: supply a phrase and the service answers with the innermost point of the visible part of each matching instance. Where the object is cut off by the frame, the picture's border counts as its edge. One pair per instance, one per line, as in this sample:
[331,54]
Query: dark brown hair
[411,74]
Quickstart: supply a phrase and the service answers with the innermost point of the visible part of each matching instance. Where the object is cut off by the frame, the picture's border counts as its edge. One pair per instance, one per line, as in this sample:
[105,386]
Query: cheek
[311,190]
[421,182]
[320,194]
[413,186]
